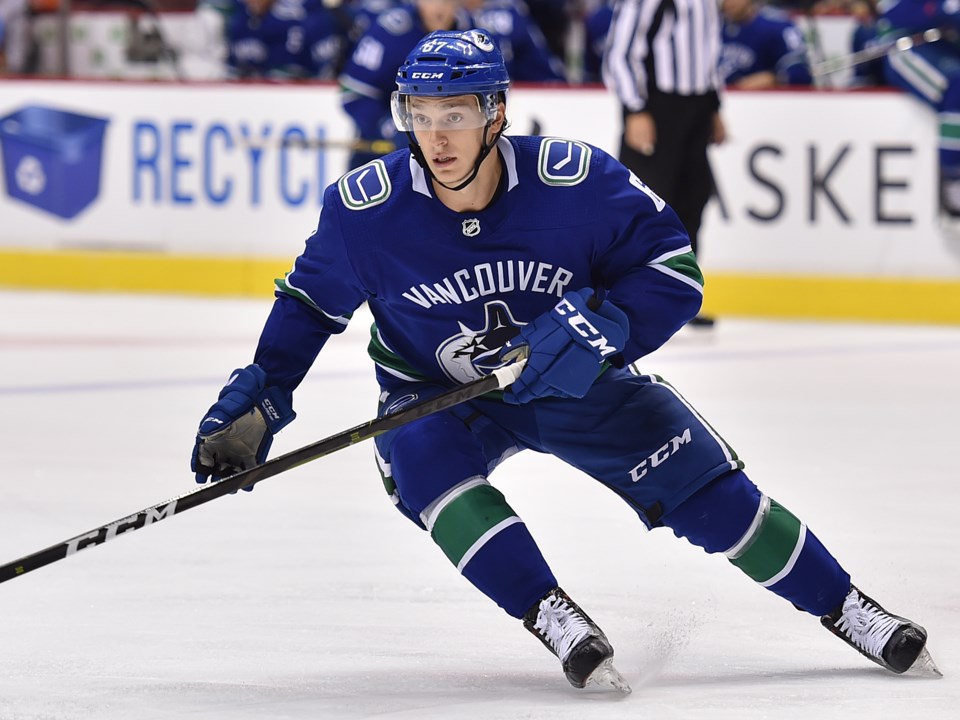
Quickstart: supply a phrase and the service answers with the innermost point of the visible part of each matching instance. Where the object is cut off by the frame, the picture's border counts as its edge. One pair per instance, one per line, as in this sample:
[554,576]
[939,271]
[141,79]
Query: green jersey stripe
[389,360]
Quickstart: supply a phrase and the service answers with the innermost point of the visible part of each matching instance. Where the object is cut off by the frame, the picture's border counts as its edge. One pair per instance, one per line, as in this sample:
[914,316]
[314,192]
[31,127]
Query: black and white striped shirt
[670,46]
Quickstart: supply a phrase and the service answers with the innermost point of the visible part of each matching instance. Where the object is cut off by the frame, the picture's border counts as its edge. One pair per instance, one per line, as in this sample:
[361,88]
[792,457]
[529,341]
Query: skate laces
[560,625]
[867,626]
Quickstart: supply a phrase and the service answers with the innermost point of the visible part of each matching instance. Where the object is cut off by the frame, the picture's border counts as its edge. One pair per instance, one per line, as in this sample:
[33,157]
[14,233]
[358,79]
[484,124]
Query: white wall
[812,182]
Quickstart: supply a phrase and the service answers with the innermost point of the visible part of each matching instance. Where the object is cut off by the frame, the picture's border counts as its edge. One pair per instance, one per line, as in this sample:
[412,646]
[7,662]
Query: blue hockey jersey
[910,16]
[370,74]
[769,42]
[325,41]
[524,48]
[596,25]
[448,289]
[268,45]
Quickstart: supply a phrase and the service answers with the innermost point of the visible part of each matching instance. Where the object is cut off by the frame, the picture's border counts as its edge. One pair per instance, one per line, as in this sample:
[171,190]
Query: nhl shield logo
[471,227]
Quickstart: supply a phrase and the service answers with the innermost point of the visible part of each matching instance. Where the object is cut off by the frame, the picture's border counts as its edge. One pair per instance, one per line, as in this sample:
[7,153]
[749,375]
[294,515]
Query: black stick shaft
[205,493]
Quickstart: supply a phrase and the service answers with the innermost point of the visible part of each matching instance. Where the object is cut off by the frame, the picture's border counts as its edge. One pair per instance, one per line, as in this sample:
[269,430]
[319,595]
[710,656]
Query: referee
[661,58]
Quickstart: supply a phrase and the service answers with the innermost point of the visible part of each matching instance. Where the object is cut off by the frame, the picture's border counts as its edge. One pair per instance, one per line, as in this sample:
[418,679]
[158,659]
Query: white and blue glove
[566,347]
[237,431]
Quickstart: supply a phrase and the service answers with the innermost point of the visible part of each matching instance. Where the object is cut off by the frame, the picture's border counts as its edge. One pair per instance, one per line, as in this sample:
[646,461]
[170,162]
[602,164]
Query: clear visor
[415,113]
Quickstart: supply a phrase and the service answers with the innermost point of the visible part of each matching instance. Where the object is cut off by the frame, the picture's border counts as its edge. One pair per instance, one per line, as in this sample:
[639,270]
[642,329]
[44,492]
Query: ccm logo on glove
[566,348]
[238,429]
[584,328]
[269,411]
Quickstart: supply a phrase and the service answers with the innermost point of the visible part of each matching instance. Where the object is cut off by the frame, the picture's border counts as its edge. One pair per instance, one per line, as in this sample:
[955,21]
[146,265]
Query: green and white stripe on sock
[949,130]
[466,518]
[769,549]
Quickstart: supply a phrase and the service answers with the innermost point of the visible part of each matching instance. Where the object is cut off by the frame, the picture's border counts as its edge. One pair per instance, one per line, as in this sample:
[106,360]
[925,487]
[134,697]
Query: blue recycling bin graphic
[52,158]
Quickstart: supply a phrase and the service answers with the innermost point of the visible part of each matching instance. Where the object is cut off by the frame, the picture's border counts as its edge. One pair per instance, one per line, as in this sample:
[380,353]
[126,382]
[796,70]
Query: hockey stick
[498,380]
[380,147]
[875,52]
[815,52]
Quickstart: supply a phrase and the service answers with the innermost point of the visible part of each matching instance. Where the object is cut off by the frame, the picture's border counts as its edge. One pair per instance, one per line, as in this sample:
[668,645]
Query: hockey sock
[780,553]
[490,545]
[764,539]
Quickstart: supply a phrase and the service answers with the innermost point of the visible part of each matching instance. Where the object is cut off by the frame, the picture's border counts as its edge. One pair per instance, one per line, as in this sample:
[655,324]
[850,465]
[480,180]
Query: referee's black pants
[679,169]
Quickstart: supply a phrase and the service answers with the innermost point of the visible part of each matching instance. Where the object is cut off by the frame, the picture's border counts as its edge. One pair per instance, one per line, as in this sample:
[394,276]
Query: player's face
[450,133]
[259,7]
[736,10]
[438,14]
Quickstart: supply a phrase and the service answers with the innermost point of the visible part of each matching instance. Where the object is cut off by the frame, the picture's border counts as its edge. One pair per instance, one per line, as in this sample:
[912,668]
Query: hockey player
[596,24]
[524,48]
[326,37]
[762,47]
[282,39]
[264,38]
[864,36]
[931,72]
[472,248]
[368,78]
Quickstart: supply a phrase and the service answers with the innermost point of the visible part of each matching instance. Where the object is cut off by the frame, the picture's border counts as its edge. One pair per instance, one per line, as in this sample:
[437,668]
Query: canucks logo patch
[481,40]
[563,162]
[472,354]
[366,186]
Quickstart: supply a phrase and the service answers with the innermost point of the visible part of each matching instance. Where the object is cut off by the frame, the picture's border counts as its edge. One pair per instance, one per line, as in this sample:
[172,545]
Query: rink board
[826,200]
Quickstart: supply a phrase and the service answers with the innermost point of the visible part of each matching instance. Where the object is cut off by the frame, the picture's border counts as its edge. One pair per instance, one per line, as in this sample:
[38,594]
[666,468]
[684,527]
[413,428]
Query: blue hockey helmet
[447,63]
[453,63]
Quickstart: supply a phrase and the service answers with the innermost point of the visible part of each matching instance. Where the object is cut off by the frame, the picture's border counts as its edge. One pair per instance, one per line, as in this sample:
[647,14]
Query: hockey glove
[566,347]
[237,431]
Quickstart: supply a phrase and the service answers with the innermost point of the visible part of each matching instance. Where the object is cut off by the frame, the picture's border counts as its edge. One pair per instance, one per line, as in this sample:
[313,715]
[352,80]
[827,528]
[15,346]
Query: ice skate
[583,649]
[891,641]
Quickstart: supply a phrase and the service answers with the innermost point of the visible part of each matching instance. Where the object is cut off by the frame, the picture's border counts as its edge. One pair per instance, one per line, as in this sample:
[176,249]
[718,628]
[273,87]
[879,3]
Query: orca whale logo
[472,354]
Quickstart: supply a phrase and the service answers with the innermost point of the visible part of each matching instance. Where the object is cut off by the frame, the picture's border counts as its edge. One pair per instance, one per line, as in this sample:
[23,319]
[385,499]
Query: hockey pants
[437,468]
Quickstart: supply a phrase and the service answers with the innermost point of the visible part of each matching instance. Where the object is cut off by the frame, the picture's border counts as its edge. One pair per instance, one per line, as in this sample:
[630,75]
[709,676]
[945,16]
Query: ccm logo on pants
[660,456]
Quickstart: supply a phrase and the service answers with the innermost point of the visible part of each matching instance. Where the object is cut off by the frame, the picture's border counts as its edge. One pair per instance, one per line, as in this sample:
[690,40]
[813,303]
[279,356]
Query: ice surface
[313,598]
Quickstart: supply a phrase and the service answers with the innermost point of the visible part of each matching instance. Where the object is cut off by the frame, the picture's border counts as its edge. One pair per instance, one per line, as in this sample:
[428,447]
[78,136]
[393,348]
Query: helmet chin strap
[485,149]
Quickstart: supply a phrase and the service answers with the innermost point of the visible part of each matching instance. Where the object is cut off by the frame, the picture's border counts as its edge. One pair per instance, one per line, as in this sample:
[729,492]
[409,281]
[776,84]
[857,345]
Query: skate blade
[607,677]
[924,665]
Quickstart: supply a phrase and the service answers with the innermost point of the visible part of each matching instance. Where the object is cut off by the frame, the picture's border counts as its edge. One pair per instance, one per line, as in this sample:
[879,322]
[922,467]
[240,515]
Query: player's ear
[500,123]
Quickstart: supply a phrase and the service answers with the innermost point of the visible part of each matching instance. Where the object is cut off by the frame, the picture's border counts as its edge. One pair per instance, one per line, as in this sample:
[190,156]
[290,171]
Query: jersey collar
[506,149]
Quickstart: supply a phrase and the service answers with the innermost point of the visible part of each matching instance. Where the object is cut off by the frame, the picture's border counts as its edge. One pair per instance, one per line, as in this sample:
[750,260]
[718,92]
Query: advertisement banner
[831,183]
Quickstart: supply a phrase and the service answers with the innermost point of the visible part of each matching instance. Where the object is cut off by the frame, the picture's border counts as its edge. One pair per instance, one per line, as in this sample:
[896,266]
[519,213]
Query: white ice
[313,598]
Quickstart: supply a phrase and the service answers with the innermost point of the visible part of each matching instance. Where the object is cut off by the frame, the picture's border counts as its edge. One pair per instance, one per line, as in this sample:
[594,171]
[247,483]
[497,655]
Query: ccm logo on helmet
[426,75]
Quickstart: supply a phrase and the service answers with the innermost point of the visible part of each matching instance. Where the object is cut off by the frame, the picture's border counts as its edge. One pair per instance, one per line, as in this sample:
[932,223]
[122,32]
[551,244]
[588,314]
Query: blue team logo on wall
[563,162]
[472,354]
[366,186]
